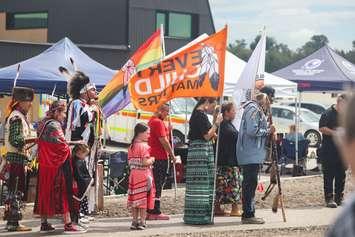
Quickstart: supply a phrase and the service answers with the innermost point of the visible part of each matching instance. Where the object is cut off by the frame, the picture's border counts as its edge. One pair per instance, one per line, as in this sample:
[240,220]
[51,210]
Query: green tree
[239,48]
[316,42]
[270,42]
[278,55]
[349,55]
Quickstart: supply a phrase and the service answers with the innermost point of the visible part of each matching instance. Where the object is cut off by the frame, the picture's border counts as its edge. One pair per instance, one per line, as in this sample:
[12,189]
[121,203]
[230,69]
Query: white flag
[253,71]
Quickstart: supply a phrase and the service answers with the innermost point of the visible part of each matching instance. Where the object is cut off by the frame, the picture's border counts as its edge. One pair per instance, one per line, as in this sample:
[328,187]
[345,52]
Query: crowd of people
[67,141]
[222,167]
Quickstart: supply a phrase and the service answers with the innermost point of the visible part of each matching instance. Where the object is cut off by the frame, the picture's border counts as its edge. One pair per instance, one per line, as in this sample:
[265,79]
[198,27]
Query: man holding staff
[251,152]
[17,138]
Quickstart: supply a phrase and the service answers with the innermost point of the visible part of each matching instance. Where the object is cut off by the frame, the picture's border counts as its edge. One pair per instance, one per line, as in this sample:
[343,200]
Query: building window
[26,20]
[177,25]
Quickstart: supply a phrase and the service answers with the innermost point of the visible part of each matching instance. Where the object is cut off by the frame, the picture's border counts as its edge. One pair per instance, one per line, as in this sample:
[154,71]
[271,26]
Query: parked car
[120,126]
[317,108]
[284,116]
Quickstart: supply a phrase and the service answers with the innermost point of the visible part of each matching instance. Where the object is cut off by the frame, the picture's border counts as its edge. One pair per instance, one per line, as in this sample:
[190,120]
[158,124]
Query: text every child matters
[173,74]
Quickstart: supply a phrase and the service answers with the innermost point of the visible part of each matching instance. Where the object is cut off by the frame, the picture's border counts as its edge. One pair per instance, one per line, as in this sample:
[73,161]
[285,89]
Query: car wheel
[313,137]
[179,138]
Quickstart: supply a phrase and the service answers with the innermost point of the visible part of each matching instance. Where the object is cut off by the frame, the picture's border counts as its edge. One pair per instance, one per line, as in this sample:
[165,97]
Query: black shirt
[81,175]
[329,119]
[199,125]
[228,137]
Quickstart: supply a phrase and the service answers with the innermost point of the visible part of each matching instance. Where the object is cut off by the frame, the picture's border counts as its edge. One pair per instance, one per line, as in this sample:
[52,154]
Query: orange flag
[196,71]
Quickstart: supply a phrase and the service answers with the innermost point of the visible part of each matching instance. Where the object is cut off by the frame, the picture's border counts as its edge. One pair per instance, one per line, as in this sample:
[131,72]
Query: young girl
[141,191]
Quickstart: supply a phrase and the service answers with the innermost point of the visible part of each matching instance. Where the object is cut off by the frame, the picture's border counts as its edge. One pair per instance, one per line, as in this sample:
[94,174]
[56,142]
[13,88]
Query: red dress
[54,188]
[141,190]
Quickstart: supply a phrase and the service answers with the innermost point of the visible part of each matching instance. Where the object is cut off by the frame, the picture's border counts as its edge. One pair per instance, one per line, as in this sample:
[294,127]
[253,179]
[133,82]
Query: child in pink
[141,190]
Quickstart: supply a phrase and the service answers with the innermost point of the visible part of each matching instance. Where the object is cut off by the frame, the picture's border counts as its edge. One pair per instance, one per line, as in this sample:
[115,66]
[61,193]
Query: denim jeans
[249,184]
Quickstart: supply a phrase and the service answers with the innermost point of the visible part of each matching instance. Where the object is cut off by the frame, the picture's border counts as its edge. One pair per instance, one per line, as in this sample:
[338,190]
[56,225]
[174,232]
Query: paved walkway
[105,227]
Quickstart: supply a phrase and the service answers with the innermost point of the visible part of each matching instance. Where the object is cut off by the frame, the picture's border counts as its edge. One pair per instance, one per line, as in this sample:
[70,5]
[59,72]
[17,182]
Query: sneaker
[144,224]
[160,216]
[18,228]
[331,204]
[84,221]
[72,229]
[46,228]
[253,220]
[329,201]
[339,198]
[90,218]
[140,226]
[134,226]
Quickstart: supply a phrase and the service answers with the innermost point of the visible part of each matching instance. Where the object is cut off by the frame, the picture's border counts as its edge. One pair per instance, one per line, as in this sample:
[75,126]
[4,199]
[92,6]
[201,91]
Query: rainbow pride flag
[115,96]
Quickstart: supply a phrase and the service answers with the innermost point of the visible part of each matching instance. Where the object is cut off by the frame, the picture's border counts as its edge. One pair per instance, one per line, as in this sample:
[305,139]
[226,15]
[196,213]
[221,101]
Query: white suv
[284,116]
[314,107]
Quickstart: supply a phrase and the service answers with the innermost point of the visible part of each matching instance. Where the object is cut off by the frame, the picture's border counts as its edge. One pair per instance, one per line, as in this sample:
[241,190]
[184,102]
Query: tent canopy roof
[41,72]
[233,69]
[323,70]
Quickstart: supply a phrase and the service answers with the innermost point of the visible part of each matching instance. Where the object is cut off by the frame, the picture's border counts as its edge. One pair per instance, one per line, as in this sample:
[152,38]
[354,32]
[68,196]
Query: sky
[292,22]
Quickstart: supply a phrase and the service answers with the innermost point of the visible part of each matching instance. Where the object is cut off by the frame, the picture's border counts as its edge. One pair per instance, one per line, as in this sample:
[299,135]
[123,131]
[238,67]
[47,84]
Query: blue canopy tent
[324,70]
[41,72]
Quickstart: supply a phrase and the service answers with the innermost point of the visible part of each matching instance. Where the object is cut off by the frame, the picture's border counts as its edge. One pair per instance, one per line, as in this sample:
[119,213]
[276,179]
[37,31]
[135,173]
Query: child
[83,180]
[141,192]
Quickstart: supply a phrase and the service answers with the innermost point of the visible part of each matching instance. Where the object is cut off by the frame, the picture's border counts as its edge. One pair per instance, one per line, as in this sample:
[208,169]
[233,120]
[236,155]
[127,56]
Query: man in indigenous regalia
[81,126]
[17,141]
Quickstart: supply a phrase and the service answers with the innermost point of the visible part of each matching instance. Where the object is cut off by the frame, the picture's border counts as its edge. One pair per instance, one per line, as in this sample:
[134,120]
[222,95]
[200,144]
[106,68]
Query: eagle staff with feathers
[272,155]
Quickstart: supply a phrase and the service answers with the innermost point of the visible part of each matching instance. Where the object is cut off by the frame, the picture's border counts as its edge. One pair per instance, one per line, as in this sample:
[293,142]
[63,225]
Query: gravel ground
[290,232]
[301,192]
[298,193]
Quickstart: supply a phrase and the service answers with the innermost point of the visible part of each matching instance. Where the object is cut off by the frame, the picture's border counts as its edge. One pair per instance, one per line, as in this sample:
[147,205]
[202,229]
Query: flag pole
[170,123]
[55,87]
[219,103]
[17,74]
[216,162]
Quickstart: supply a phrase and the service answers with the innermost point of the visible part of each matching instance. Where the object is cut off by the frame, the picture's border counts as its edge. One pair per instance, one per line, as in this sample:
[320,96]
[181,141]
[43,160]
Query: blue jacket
[252,135]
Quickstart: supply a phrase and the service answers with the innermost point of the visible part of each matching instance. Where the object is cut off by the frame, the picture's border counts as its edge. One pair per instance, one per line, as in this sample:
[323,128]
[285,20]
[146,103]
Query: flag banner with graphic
[197,71]
[114,95]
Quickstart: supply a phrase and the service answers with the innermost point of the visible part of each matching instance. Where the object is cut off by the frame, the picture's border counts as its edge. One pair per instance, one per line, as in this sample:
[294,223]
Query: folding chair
[118,172]
[288,152]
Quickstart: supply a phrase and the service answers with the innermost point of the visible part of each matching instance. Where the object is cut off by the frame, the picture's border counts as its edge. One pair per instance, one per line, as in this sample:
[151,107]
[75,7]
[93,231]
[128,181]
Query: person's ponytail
[138,129]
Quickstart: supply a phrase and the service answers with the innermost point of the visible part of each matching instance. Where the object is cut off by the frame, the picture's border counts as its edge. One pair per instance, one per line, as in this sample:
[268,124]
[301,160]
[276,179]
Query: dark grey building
[108,30]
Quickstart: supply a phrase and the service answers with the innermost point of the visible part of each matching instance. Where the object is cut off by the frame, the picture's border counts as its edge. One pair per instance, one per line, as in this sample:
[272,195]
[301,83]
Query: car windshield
[308,116]
[183,105]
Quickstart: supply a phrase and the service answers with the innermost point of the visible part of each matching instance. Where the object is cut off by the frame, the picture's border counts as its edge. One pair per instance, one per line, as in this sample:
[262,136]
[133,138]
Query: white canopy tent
[233,69]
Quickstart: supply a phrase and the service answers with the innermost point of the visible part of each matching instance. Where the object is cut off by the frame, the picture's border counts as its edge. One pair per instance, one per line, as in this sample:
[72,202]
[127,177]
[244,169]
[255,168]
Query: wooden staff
[170,124]
[274,174]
